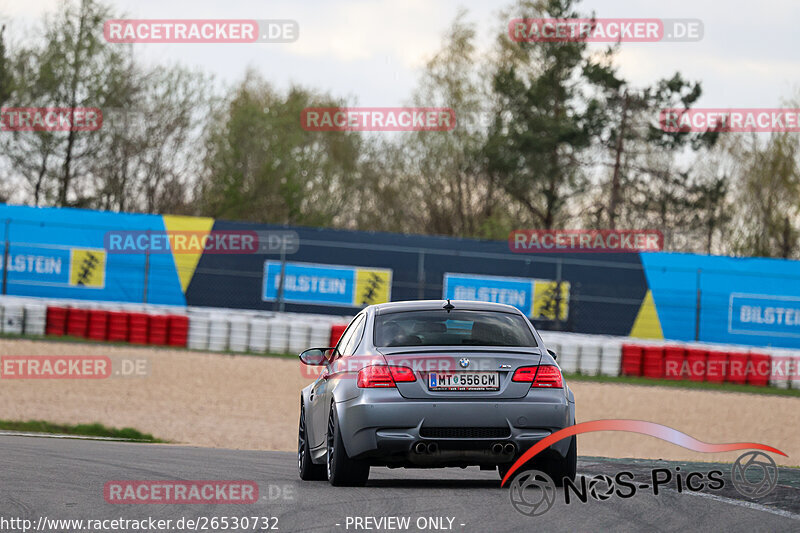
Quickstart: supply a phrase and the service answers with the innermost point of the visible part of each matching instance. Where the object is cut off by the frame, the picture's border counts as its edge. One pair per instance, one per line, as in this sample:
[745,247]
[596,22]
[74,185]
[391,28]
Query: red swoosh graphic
[635,426]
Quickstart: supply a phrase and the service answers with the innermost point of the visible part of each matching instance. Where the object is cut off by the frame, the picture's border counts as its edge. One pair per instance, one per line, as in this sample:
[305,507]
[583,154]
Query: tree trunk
[614,201]
[66,176]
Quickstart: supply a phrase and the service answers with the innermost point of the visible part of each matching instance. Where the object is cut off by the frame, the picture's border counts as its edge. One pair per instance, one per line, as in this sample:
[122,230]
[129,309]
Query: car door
[319,398]
[343,351]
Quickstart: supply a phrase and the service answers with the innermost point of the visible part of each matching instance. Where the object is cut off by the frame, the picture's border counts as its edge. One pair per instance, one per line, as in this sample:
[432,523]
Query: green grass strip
[84,430]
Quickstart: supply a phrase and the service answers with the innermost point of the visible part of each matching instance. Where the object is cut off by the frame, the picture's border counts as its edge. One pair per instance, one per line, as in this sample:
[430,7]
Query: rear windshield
[457,328]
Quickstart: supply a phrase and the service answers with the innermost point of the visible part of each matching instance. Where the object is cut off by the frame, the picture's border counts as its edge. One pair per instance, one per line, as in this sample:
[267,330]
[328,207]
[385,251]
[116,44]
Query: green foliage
[262,166]
[67,64]
[769,184]
[5,74]
[548,134]
[543,120]
[437,172]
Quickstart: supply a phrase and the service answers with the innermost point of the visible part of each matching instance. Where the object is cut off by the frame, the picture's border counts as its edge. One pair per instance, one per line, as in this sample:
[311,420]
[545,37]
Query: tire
[551,463]
[341,470]
[558,467]
[305,466]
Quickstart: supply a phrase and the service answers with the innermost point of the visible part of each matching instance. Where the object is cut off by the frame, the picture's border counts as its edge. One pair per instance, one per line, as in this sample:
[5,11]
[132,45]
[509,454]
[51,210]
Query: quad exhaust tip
[433,448]
[499,448]
[420,448]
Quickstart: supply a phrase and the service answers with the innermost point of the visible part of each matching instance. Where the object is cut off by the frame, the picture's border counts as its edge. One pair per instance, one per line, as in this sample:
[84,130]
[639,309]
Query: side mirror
[552,354]
[315,356]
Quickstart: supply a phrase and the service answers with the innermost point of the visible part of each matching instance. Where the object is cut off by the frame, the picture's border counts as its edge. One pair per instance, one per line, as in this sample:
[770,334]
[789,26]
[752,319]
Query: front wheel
[342,470]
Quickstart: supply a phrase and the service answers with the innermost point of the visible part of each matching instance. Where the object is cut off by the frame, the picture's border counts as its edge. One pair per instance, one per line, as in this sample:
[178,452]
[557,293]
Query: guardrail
[191,327]
[261,332]
[593,355]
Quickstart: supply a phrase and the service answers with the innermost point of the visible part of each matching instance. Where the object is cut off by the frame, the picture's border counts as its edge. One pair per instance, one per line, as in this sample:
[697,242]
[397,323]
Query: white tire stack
[238,337]
[218,333]
[259,335]
[611,358]
[278,336]
[198,331]
[13,318]
[35,319]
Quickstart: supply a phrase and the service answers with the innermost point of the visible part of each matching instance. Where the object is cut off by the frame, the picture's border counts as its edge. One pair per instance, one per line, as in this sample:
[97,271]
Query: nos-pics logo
[533,493]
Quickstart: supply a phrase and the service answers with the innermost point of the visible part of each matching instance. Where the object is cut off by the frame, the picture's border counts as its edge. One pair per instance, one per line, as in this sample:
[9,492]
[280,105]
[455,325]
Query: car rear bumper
[382,426]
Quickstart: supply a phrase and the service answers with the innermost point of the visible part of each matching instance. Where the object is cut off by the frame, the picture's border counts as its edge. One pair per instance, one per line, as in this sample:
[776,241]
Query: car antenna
[448,306]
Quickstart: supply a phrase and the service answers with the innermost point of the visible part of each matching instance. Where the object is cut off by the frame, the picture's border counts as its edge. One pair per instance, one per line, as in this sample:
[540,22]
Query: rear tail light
[377,376]
[402,374]
[545,376]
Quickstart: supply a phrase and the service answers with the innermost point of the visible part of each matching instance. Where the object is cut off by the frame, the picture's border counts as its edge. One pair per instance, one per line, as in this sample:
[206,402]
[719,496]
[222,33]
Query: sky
[372,51]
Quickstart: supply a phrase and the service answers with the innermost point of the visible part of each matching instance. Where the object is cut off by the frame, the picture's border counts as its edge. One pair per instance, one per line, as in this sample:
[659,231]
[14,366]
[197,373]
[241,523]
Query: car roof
[431,305]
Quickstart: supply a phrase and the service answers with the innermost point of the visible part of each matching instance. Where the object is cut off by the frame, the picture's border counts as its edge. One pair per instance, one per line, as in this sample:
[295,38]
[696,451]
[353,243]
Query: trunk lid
[424,360]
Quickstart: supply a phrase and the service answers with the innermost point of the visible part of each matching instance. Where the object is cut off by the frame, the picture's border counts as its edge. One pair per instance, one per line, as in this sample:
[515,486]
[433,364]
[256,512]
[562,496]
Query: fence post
[279,303]
[6,252]
[421,276]
[697,309]
[146,269]
[558,294]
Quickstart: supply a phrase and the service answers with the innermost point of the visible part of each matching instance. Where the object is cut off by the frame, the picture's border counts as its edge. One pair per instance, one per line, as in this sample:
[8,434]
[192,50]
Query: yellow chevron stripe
[186,263]
[647,325]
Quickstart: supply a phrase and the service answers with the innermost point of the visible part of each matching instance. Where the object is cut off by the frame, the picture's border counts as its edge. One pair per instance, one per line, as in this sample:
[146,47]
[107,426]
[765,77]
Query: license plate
[472,381]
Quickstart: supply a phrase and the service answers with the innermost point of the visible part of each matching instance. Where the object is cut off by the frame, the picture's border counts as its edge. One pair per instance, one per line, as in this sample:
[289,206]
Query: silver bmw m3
[433,383]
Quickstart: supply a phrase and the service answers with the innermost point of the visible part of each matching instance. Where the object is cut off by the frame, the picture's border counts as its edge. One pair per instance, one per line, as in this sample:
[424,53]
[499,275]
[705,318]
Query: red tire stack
[98,325]
[696,359]
[56,320]
[717,367]
[653,366]
[137,328]
[77,322]
[178,330]
[336,333]
[737,371]
[118,326]
[157,333]
[631,360]
[674,357]
[762,368]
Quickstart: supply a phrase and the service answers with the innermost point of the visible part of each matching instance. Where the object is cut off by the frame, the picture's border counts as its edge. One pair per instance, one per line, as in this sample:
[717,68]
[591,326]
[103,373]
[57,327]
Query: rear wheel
[342,470]
[551,463]
[306,467]
[558,467]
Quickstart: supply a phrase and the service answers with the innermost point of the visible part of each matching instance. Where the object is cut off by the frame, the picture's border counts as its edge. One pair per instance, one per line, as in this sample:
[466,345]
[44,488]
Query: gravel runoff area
[248,402]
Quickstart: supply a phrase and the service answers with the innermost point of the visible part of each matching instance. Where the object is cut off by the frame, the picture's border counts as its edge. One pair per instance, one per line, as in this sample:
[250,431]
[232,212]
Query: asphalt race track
[64,479]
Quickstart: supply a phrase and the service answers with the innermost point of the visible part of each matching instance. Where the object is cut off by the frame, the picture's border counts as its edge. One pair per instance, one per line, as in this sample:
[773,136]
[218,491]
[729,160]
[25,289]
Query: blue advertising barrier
[59,253]
[310,283]
[504,290]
